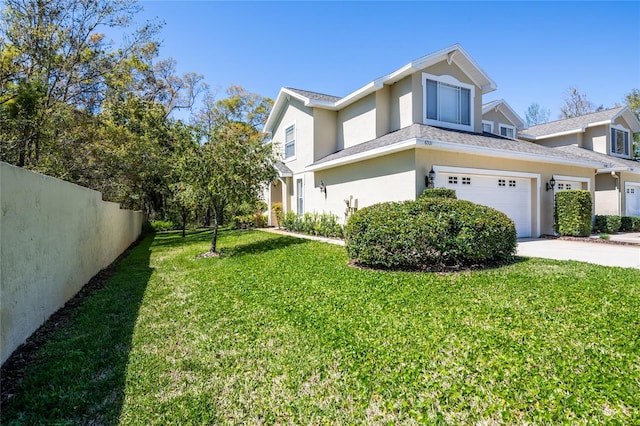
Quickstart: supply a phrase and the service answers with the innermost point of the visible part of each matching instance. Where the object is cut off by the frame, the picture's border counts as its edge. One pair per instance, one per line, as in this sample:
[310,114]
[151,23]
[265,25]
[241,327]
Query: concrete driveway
[627,256]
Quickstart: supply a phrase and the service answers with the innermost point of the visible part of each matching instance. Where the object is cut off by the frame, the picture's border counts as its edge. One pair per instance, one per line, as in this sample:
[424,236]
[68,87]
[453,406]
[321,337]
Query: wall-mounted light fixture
[323,189]
[430,178]
[551,184]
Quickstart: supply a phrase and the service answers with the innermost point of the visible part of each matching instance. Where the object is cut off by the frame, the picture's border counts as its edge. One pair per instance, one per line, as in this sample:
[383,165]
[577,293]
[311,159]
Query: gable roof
[502,106]
[579,124]
[428,136]
[283,170]
[452,54]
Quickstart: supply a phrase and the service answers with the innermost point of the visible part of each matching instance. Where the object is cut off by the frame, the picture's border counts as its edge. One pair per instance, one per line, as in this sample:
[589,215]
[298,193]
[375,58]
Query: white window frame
[506,126]
[447,79]
[490,123]
[629,141]
[299,196]
[284,144]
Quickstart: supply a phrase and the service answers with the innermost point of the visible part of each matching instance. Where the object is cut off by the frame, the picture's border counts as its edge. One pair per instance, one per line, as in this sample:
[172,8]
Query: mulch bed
[590,240]
[13,369]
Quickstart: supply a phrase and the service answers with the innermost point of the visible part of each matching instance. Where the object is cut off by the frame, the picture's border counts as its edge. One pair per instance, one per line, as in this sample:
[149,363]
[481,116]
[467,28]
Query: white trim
[296,197]
[295,142]
[447,79]
[574,179]
[490,123]
[506,173]
[447,146]
[629,139]
[506,126]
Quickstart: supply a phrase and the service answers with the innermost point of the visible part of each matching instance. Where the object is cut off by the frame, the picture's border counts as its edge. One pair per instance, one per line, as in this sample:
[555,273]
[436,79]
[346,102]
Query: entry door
[508,194]
[632,199]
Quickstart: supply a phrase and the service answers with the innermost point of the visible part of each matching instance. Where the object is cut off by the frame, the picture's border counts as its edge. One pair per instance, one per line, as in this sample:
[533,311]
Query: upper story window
[487,126]
[507,131]
[290,142]
[448,102]
[620,141]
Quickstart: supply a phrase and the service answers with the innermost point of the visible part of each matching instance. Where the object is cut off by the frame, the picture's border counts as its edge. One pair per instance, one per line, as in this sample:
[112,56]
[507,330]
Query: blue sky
[534,51]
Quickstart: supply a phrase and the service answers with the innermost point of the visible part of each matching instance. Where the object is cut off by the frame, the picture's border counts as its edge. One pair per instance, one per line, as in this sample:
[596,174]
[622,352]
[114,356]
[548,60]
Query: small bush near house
[256,220]
[608,224]
[573,213]
[324,224]
[630,224]
[277,211]
[429,234]
[439,193]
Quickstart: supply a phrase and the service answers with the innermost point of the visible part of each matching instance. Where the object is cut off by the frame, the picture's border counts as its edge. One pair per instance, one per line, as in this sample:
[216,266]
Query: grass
[282,330]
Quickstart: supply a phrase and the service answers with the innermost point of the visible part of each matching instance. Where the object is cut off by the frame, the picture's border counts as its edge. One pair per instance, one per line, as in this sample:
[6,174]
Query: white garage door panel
[510,195]
[632,200]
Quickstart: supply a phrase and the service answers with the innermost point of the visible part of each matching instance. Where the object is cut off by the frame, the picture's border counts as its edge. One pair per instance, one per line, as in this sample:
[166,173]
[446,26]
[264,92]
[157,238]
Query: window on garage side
[448,102]
[290,142]
[620,142]
[507,131]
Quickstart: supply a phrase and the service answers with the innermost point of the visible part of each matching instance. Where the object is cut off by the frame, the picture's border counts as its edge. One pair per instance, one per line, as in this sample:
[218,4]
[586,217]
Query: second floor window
[290,142]
[507,131]
[448,102]
[619,142]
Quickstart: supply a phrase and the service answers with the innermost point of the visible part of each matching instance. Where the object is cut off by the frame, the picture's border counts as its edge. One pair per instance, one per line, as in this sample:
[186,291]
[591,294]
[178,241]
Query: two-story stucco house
[604,136]
[423,124]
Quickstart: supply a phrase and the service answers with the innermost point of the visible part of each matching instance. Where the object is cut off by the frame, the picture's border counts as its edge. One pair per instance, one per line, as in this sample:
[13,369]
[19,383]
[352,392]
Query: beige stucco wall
[54,236]
[497,118]
[596,139]
[389,178]
[383,111]
[571,139]
[401,104]
[607,195]
[324,133]
[357,122]
[302,117]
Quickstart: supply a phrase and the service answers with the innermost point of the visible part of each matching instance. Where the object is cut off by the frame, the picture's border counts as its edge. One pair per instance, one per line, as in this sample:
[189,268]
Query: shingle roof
[608,160]
[315,95]
[486,140]
[571,124]
[283,170]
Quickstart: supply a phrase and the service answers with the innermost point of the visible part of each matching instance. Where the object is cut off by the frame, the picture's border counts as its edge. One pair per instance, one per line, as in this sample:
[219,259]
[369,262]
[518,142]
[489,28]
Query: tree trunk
[185,213]
[220,217]
[214,238]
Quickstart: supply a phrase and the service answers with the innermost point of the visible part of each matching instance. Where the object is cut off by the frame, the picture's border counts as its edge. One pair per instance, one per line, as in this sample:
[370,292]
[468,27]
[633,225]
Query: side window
[290,142]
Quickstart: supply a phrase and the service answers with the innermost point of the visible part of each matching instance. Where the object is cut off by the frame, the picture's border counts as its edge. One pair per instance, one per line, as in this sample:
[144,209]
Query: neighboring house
[606,137]
[420,125]
[500,119]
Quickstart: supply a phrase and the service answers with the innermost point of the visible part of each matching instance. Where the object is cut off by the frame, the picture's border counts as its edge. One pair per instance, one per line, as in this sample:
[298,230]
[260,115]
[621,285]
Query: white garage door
[510,195]
[632,199]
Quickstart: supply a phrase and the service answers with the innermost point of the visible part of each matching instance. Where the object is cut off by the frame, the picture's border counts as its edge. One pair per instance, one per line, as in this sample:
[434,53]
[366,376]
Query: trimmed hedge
[572,213]
[608,224]
[429,234]
[630,224]
[439,193]
[324,224]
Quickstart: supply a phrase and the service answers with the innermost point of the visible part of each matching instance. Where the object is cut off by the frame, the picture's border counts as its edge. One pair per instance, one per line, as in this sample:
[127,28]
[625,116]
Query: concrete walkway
[626,256]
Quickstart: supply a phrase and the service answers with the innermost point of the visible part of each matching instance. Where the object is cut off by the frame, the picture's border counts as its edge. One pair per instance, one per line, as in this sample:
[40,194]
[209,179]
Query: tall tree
[536,114]
[234,163]
[576,104]
[632,99]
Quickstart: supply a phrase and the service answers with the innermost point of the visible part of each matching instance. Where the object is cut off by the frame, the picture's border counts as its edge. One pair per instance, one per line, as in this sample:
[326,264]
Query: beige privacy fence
[54,236]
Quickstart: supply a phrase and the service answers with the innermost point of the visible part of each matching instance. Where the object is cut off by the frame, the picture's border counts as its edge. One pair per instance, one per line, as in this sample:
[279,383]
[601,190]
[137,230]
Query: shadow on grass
[175,239]
[262,246]
[78,374]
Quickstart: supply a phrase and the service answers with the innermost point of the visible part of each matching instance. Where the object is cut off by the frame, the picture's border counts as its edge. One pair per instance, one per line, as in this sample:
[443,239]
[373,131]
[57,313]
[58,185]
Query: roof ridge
[578,116]
[312,91]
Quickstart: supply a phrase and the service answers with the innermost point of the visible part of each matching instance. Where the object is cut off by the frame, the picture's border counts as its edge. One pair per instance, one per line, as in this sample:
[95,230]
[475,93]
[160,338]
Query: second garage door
[510,195]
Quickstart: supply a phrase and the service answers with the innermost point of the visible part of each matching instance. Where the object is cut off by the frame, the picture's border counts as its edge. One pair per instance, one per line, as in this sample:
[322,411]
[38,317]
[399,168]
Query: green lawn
[282,330]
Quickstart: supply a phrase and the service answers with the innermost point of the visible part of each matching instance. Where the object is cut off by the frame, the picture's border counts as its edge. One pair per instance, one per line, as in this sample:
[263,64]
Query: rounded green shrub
[609,224]
[429,234]
[439,193]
